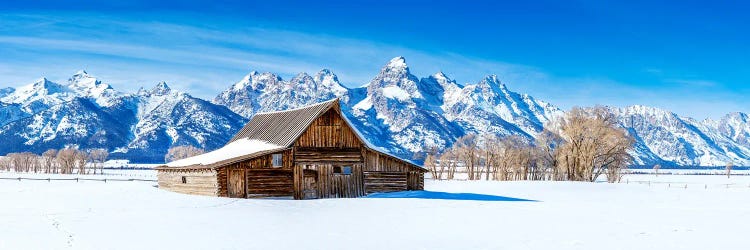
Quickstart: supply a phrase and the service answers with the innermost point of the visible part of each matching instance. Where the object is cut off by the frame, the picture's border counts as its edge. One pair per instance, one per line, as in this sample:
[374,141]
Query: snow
[449,215]
[395,92]
[397,62]
[365,104]
[235,149]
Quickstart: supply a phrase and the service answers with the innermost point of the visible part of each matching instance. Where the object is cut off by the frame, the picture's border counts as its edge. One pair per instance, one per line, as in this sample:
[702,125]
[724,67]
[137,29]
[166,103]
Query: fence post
[685,186]
[19,178]
[105,180]
[76,179]
[49,179]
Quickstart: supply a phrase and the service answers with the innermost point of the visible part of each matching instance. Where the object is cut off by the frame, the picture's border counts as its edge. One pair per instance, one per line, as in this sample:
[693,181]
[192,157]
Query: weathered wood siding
[260,162]
[376,162]
[338,185]
[328,131]
[236,183]
[198,181]
[379,182]
[327,155]
[269,183]
[415,180]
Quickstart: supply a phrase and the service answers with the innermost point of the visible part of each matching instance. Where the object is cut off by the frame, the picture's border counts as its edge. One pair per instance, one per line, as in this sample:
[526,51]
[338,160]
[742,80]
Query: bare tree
[594,145]
[548,144]
[22,162]
[81,158]
[656,169]
[98,157]
[181,152]
[466,150]
[729,168]
[66,158]
[5,163]
[448,160]
[48,161]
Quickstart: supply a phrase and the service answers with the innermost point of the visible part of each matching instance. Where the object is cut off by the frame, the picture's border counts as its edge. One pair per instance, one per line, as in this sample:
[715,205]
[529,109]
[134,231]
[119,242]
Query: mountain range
[396,110]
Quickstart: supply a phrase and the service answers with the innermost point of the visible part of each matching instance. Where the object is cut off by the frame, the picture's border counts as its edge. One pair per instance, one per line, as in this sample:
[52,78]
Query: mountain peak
[440,75]
[324,72]
[397,62]
[493,83]
[160,89]
[81,72]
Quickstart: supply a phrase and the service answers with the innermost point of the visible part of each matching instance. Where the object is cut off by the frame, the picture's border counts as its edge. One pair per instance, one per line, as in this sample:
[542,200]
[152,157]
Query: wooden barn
[305,153]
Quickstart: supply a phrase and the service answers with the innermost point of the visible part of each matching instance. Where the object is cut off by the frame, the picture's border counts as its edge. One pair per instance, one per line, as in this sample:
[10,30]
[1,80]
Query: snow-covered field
[450,215]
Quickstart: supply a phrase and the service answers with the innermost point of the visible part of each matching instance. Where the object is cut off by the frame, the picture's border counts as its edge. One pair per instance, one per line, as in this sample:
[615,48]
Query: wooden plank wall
[377,162]
[305,183]
[260,162]
[236,183]
[199,181]
[379,181]
[327,155]
[415,180]
[328,131]
[269,183]
[331,185]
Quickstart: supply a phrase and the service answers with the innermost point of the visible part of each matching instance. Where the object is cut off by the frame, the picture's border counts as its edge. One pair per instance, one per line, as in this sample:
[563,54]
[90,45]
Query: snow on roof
[238,148]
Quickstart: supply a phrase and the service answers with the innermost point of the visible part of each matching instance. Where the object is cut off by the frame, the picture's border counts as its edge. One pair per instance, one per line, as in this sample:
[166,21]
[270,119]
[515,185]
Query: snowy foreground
[646,213]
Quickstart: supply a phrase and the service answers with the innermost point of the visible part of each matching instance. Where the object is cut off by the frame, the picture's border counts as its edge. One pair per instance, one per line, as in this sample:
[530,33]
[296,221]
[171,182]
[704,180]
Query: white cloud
[204,60]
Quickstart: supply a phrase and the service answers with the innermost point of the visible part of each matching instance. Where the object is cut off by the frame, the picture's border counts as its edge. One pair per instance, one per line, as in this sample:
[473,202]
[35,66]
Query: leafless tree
[48,161]
[656,169]
[98,157]
[22,162]
[448,160]
[181,152]
[66,158]
[594,145]
[81,158]
[467,150]
[548,144]
[729,167]
[5,163]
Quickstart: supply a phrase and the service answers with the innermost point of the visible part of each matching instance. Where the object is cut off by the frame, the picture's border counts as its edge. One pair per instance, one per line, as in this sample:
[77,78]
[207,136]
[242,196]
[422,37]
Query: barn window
[277,161]
[342,170]
[184,179]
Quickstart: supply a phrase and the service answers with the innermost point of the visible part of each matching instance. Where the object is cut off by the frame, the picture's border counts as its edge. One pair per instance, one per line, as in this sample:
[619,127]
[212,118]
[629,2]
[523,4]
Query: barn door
[236,183]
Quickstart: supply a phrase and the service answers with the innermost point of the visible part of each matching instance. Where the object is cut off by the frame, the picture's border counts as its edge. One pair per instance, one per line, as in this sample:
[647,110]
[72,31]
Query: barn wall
[334,185]
[257,163]
[385,173]
[269,183]
[198,181]
[328,131]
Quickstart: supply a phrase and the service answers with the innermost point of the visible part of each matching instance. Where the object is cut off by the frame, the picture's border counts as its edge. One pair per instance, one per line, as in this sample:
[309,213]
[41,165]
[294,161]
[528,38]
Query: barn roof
[239,149]
[281,129]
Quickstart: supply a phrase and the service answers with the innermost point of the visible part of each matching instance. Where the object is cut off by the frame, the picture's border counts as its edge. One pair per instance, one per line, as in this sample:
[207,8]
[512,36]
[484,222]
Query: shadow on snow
[444,196]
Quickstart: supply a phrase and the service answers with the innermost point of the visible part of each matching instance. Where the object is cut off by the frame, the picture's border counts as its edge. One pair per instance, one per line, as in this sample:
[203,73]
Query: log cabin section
[305,153]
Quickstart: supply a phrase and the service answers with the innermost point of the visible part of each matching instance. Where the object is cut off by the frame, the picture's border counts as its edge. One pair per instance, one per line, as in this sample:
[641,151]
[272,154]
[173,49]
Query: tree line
[52,161]
[583,145]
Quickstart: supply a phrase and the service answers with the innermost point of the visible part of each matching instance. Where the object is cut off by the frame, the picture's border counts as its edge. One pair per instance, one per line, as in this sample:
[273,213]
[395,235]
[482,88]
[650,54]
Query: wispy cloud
[204,60]
[693,82]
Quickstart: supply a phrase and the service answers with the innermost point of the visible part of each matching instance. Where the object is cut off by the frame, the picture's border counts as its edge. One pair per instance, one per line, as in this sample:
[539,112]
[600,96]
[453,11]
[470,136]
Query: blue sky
[687,56]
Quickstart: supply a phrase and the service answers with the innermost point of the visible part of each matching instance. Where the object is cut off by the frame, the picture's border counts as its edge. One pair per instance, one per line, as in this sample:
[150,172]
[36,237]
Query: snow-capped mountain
[396,110]
[162,117]
[90,114]
[684,141]
[261,92]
